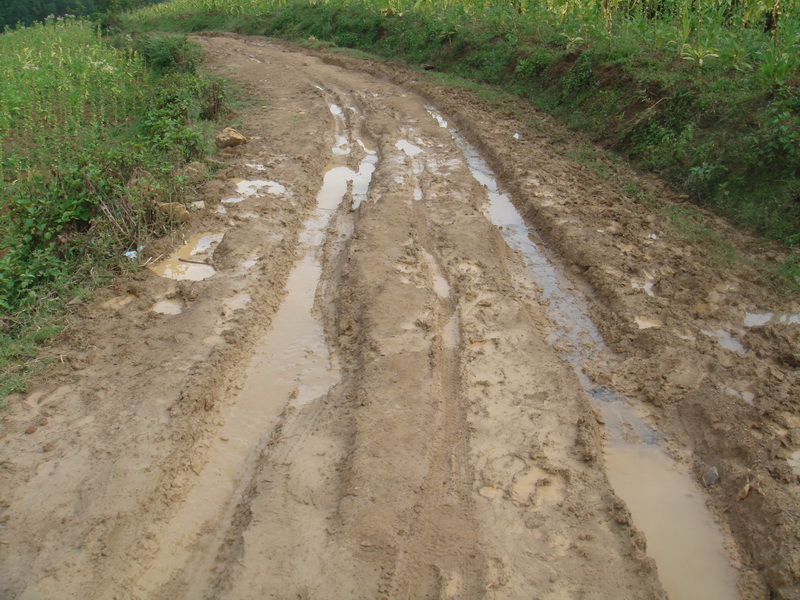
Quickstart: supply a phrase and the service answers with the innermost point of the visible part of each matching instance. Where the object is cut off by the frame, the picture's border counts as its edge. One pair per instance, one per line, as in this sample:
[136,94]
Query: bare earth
[372,396]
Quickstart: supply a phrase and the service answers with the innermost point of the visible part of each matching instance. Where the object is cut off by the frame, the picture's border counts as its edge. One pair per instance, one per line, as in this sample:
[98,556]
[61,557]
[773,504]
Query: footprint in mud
[536,487]
[469,269]
[167,307]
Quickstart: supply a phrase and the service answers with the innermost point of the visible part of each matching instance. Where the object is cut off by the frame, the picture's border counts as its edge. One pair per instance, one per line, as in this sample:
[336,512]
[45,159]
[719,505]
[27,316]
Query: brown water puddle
[757,319]
[189,262]
[726,340]
[682,537]
[648,323]
[167,307]
[246,188]
[665,502]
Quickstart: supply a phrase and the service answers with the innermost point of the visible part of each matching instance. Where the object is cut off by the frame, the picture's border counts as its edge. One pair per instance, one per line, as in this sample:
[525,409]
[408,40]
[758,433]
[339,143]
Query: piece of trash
[517,136]
[132,254]
[652,236]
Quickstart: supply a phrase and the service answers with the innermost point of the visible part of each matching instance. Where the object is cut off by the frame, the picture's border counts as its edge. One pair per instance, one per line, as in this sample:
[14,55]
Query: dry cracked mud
[409,350]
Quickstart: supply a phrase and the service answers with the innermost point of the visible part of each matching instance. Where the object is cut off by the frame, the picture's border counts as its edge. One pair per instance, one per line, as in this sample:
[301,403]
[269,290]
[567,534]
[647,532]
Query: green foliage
[691,226]
[26,12]
[535,62]
[91,138]
[787,275]
[169,52]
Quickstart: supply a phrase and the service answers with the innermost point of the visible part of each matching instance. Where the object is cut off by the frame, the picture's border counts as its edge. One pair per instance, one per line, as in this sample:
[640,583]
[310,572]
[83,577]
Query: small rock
[195,168]
[229,137]
[711,476]
[49,447]
[744,492]
[31,429]
[174,211]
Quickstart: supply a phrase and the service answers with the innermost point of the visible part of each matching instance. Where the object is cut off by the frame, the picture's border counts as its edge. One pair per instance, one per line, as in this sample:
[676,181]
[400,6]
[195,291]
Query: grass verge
[93,137]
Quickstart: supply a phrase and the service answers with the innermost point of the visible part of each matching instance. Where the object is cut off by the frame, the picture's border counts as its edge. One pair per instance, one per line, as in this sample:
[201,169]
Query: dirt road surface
[415,353]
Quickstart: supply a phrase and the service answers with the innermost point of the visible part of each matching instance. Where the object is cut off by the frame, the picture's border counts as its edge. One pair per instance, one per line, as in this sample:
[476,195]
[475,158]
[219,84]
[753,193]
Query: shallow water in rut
[291,364]
[665,503]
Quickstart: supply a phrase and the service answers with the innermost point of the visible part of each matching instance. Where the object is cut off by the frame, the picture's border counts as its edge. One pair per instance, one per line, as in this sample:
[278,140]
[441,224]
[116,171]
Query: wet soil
[408,349]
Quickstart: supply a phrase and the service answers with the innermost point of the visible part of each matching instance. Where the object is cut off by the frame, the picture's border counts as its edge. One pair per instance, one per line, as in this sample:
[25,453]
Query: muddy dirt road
[364,375]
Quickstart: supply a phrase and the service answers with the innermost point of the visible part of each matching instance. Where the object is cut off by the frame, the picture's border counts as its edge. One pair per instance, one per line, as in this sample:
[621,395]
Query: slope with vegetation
[706,94]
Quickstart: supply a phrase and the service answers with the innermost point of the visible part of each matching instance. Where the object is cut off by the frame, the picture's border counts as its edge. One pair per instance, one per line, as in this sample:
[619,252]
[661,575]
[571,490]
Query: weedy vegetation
[92,136]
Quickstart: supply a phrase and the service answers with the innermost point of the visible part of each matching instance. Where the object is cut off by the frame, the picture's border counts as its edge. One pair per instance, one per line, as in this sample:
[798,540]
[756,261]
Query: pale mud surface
[411,427]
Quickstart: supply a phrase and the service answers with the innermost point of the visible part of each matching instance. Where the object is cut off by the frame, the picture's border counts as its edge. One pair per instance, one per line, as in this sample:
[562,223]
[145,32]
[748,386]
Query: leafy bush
[169,52]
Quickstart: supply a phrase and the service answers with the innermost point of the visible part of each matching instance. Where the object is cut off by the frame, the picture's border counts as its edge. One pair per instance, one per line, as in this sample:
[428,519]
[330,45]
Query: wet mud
[406,349]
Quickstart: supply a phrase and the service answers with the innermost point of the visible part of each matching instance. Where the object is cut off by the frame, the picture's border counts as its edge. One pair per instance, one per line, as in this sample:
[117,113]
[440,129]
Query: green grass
[19,353]
[697,92]
[91,135]
[691,225]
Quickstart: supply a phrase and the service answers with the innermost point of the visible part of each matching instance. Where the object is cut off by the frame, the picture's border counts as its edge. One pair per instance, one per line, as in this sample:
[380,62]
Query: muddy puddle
[291,364]
[338,178]
[191,261]
[255,187]
[648,323]
[754,319]
[665,502]
[682,537]
[726,340]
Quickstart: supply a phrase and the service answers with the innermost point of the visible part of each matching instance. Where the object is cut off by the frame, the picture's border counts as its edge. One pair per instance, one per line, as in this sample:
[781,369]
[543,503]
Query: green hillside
[26,12]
